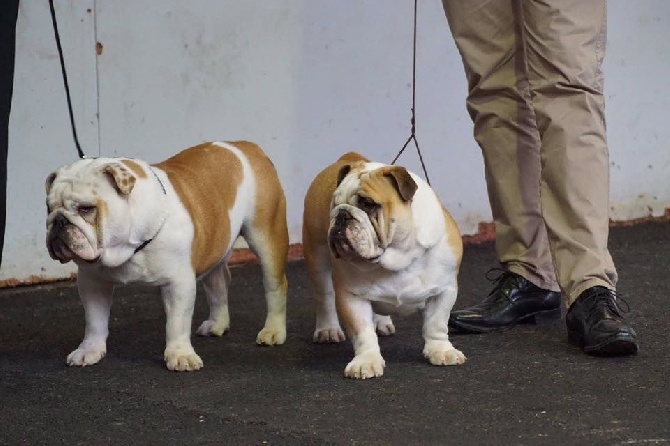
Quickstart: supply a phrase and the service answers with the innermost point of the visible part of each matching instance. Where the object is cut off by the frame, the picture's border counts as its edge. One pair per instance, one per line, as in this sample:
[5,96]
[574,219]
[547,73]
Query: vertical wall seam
[97,75]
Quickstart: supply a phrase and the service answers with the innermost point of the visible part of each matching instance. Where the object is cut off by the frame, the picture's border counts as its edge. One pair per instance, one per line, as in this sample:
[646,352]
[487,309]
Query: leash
[412,135]
[65,83]
[72,124]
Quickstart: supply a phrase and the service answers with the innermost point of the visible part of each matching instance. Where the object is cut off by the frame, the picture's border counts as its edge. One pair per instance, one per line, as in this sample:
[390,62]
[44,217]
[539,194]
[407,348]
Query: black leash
[412,135]
[67,87]
[69,107]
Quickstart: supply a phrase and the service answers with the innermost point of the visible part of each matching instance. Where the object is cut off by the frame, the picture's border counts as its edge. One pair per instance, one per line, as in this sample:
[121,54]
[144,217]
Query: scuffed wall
[307,81]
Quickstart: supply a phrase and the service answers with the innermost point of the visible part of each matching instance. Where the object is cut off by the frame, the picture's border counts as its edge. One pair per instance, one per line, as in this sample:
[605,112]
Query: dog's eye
[85,210]
[367,204]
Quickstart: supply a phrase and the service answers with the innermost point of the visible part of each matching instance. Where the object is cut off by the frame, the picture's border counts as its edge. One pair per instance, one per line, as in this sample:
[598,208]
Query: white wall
[307,80]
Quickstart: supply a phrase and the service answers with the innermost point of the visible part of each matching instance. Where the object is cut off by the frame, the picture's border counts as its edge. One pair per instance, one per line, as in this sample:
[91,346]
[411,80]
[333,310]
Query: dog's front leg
[96,297]
[438,350]
[357,315]
[179,300]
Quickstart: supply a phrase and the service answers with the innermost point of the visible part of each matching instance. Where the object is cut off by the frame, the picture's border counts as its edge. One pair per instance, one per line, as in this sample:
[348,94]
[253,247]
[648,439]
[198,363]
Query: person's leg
[8,14]
[565,44]
[487,34]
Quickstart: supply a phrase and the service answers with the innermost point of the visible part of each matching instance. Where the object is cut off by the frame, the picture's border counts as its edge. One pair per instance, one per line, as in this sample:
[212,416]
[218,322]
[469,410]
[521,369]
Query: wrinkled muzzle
[351,235]
[66,242]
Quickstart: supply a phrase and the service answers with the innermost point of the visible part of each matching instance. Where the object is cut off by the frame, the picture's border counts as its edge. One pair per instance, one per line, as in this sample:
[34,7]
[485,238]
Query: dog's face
[371,211]
[88,208]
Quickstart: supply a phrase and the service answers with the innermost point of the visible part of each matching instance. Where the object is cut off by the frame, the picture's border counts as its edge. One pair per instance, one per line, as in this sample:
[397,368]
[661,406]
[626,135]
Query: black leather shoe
[595,324]
[513,300]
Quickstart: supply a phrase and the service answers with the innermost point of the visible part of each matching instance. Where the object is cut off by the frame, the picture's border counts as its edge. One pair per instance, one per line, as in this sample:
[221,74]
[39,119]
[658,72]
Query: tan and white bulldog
[122,220]
[377,242]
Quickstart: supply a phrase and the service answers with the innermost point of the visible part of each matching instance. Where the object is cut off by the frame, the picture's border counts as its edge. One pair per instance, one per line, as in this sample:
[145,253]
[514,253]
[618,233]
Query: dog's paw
[383,325]
[86,355]
[213,328]
[450,356]
[329,335]
[271,336]
[182,360]
[365,365]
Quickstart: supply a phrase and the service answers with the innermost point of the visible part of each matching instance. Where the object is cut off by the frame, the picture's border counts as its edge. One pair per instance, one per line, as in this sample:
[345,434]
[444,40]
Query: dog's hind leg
[384,325]
[272,258]
[216,283]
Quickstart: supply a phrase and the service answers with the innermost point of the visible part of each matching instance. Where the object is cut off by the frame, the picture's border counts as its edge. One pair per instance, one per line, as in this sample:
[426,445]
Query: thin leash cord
[412,135]
[67,87]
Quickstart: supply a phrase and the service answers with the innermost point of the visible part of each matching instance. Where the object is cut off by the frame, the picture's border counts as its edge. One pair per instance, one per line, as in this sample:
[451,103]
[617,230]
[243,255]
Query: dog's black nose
[342,217]
[60,221]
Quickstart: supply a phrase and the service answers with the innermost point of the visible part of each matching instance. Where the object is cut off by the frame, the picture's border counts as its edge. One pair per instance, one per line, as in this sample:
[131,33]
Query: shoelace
[610,299]
[503,281]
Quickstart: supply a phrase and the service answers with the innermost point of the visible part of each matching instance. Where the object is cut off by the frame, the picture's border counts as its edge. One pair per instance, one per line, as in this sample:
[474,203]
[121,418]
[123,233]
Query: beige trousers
[535,95]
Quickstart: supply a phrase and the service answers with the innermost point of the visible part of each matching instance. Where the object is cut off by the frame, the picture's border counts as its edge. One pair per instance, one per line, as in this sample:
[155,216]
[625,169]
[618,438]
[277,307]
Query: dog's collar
[158,179]
[146,242]
[142,246]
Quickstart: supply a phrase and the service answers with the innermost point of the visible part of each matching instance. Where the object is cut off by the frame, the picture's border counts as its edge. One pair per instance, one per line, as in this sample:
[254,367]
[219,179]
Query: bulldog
[377,241]
[122,220]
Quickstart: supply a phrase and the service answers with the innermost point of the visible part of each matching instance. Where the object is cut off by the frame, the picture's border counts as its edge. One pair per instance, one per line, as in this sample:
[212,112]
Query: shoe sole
[539,318]
[618,345]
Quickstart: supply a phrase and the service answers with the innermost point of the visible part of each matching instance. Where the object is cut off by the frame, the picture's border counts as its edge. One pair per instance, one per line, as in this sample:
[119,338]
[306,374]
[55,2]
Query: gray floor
[523,386]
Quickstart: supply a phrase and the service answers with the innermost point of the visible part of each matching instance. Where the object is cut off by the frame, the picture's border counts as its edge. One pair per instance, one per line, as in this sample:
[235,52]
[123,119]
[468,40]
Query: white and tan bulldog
[377,242]
[122,220]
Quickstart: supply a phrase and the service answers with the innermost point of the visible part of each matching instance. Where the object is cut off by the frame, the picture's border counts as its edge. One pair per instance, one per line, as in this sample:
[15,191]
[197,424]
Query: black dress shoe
[513,300]
[595,324]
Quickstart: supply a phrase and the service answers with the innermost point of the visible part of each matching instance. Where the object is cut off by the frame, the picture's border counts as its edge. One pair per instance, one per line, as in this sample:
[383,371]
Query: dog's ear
[353,157]
[121,178]
[344,171]
[50,181]
[402,181]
